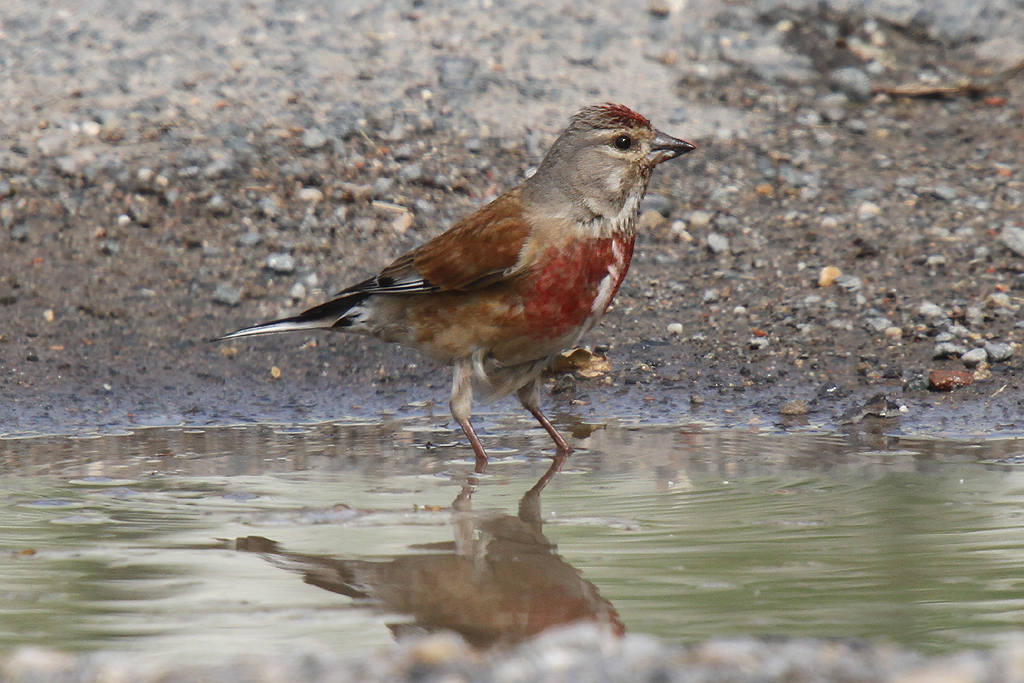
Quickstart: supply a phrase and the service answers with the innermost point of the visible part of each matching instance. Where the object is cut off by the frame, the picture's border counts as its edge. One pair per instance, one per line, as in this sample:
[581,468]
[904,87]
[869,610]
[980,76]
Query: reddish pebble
[948,380]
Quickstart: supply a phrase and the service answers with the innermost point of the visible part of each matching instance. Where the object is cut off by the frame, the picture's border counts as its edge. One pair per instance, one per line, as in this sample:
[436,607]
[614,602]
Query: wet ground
[203,545]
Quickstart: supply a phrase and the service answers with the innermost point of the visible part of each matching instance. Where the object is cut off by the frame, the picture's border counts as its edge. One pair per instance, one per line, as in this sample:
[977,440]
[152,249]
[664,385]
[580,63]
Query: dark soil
[110,275]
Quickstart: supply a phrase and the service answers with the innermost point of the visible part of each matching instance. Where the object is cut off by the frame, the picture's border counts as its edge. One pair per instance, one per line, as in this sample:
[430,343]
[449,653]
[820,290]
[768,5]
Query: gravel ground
[573,654]
[170,171]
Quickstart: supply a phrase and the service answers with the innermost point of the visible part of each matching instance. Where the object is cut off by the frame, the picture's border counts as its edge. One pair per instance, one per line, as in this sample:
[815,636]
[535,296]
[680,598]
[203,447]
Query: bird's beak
[665,147]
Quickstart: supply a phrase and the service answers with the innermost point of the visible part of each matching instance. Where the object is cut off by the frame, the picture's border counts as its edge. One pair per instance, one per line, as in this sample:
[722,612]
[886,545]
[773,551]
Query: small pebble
[999,300]
[297,292]
[868,210]
[382,186]
[852,82]
[945,192]
[19,233]
[794,407]
[313,138]
[250,239]
[281,263]
[858,126]
[402,222]
[309,194]
[1013,239]
[700,219]
[947,380]
[850,283]
[998,352]
[930,311]
[828,275]
[657,202]
[144,178]
[718,244]
[412,173]
[974,315]
[878,324]
[218,206]
[948,350]
[675,328]
[226,294]
[974,357]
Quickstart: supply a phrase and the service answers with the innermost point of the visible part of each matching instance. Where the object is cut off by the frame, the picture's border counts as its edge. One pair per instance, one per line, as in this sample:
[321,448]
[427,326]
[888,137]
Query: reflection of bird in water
[499,582]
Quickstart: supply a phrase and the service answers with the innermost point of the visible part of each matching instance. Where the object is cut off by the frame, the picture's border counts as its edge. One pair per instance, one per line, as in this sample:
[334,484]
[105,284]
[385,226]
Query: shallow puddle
[203,543]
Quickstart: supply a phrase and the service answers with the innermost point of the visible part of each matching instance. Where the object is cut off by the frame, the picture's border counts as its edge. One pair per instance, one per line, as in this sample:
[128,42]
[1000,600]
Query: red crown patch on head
[620,115]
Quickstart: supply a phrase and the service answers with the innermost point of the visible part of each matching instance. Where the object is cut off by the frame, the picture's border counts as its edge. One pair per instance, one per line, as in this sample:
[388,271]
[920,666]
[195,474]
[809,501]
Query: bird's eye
[623,142]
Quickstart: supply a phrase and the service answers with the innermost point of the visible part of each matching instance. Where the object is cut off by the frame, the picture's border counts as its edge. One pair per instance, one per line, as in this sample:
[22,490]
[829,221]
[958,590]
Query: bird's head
[605,158]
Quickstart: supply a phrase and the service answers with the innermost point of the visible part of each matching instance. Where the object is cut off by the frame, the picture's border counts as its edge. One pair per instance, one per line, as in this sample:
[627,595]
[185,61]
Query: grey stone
[974,315]
[402,152]
[998,352]
[945,192]
[850,283]
[948,350]
[930,311]
[758,343]
[313,138]
[974,357]
[281,263]
[411,173]
[717,243]
[852,82]
[268,207]
[219,168]
[858,126]
[878,324]
[227,295]
[19,232]
[382,186]
[1013,239]
[657,202]
[250,239]
[218,206]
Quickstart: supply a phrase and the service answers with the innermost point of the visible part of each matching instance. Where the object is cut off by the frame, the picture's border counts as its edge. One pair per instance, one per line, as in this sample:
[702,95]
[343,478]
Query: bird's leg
[529,396]
[529,506]
[461,405]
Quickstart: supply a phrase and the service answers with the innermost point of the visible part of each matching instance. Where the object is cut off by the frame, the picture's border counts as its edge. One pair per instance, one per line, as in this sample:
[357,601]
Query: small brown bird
[522,279]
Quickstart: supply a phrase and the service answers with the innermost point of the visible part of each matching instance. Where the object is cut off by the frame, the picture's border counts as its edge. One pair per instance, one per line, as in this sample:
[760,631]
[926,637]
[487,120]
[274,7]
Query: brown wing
[478,251]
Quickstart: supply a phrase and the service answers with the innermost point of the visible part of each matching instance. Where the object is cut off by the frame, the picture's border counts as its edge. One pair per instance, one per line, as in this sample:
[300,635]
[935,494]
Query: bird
[503,291]
[500,582]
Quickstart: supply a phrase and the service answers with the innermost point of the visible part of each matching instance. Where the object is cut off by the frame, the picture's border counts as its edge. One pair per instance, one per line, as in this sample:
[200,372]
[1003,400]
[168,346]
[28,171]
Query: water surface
[202,543]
